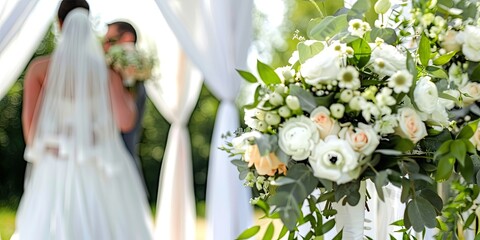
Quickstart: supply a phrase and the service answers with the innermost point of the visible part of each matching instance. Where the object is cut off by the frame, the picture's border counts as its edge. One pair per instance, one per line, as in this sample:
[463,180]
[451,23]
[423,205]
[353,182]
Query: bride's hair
[68,5]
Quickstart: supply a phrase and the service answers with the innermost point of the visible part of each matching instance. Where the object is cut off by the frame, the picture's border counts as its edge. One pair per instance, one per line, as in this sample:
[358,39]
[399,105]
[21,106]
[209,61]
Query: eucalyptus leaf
[421,214]
[288,207]
[282,156]
[306,99]
[359,8]
[309,49]
[433,198]
[249,233]
[267,74]
[405,194]
[266,143]
[381,179]
[283,181]
[247,76]
[327,27]
[387,34]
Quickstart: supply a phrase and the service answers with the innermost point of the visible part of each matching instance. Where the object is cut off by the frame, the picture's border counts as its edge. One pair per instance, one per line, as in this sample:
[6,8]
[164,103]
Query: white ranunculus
[322,68]
[298,136]
[387,60]
[335,160]
[410,125]
[325,123]
[426,95]
[472,89]
[363,139]
[470,39]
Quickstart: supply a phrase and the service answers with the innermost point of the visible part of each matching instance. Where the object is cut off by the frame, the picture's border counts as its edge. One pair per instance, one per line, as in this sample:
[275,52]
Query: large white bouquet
[133,64]
[352,104]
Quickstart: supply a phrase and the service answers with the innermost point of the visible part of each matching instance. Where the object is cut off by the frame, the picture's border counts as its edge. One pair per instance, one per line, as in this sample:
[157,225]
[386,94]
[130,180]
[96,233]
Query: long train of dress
[70,199]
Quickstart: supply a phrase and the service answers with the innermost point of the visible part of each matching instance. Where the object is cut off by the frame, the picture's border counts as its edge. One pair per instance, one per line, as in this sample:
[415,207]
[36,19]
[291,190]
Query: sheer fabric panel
[23,23]
[215,34]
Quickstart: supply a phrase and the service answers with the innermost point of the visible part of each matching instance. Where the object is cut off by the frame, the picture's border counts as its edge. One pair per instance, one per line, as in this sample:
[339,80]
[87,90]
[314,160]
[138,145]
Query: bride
[83,184]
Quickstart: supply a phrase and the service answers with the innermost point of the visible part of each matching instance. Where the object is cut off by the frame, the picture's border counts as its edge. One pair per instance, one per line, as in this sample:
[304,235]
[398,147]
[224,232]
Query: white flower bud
[356,103]
[382,6]
[262,126]
[272,118]
[276,99]
[260,114]
[337,110]
[346,95]
[284,111]
[292,102]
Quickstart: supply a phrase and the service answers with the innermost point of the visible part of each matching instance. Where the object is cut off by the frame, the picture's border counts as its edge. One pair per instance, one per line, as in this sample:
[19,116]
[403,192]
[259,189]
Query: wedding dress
[83,184]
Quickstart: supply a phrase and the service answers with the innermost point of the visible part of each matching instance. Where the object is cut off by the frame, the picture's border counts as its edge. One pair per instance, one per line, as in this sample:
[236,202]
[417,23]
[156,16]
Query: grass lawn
[7,224]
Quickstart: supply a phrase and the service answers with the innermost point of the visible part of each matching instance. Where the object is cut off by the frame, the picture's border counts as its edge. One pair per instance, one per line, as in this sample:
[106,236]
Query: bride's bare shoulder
[37,69]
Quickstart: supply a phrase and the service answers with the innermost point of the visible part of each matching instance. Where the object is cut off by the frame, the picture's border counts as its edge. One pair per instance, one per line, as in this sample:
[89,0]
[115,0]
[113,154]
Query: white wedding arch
[195,40]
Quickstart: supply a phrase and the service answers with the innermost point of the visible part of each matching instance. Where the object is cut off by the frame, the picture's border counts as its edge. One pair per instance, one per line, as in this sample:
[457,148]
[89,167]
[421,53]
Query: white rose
[473,91]
[335,160]
[325,123]
[297,137]
[410,125]
[363,139]
[450,42]
[322,67]
[475,139]
[470,39]
[426,95]
[387,60]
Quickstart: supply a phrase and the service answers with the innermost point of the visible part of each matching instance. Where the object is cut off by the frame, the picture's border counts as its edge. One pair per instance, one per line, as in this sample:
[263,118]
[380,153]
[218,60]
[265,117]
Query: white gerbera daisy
[356,27]
[348,78]
[401,81]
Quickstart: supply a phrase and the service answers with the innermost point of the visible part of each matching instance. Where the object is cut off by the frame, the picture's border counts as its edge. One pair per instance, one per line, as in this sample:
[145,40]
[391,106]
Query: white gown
[67,198]
[83,184]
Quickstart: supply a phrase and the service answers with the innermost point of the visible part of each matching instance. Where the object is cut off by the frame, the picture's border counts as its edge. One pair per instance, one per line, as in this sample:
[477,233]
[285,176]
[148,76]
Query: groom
[124,33]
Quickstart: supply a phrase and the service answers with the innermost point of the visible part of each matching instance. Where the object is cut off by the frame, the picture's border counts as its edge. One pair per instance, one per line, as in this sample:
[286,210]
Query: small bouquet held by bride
[133,64]
[357,102]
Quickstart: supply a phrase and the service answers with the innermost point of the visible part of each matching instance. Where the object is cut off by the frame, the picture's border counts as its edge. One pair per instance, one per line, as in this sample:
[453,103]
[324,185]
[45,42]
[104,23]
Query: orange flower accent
[265,165]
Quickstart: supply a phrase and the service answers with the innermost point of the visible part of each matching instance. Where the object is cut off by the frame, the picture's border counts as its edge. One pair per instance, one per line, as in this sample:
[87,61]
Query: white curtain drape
[215,34]
[23,23]
[174,92]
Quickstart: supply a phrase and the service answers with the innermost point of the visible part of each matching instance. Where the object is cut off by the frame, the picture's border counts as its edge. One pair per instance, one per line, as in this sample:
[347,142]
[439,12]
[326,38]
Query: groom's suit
[132,137]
